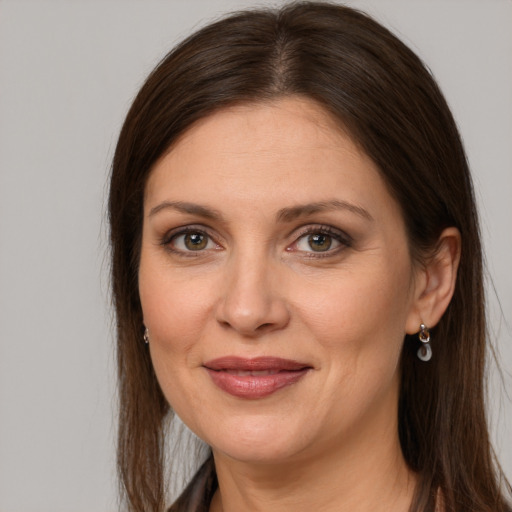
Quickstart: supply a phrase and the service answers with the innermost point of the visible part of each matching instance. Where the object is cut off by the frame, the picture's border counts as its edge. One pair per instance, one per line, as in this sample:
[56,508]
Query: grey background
[68,71]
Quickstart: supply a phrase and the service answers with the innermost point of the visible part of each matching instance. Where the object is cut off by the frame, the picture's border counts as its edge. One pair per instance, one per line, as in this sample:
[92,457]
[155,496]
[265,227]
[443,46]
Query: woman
[295,240]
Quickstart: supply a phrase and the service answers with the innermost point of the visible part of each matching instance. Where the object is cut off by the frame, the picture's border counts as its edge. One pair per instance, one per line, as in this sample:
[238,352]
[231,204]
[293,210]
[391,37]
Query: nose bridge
[251,303]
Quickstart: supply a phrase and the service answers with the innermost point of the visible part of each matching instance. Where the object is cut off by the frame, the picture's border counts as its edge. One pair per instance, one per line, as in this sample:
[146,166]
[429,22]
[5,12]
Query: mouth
[255,378]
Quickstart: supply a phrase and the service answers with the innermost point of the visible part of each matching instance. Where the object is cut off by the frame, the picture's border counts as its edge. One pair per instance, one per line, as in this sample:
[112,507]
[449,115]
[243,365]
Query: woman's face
[276,284]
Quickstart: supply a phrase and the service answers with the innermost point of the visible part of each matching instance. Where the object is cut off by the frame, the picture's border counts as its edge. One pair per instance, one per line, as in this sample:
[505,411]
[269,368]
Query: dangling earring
[425,351]
[146,336]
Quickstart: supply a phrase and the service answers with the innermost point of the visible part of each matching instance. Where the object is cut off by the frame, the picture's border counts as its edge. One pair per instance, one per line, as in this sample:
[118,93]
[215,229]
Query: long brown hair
[388,101]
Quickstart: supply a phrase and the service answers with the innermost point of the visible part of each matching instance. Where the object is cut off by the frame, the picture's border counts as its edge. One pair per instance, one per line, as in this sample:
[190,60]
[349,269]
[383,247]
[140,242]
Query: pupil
[319,242]
[195,241]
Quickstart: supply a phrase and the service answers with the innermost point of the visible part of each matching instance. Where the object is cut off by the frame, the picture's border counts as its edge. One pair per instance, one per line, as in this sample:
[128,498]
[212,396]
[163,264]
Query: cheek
[169,297]
[175,314]
[175,309]
[358,321]
[359,329]
[346,305]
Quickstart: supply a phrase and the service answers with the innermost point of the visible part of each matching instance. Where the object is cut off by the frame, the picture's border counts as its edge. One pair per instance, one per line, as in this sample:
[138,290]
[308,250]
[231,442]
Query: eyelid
[339,235]
[325,229]
[174,233]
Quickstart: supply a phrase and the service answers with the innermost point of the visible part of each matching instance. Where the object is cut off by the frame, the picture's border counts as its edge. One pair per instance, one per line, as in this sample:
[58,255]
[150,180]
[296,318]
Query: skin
[258,287]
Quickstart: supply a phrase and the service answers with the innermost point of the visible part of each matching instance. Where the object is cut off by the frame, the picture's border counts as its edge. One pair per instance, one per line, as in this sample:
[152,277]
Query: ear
[435,282]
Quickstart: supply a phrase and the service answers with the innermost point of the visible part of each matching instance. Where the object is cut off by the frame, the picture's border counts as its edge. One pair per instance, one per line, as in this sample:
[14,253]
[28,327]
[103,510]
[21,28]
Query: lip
[254,378]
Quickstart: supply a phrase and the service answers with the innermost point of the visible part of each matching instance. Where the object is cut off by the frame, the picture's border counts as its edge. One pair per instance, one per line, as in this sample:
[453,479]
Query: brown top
[198,494]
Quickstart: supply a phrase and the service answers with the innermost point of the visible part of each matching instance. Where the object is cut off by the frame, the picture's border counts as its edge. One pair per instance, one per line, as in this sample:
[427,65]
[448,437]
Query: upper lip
[254,364]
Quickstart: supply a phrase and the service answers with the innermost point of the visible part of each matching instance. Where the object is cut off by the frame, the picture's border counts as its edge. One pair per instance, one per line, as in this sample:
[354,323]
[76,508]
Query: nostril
[262,327]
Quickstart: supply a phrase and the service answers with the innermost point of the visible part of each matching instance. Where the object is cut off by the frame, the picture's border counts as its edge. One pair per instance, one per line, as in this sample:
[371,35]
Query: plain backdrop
[68,72]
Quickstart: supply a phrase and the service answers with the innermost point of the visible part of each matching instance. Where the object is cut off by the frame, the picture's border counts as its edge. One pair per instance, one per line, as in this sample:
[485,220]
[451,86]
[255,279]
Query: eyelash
[339,236]
[342,238]
[169,238]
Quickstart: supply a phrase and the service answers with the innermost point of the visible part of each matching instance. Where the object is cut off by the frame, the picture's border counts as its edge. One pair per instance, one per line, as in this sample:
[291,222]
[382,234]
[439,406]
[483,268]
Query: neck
[367,472]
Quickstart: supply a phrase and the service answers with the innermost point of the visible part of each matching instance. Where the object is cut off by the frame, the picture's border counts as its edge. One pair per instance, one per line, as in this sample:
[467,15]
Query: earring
[425,351]
[146,336]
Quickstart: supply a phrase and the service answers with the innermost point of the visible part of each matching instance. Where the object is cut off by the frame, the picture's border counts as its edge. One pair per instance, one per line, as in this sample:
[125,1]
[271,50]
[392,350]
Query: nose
[252,302]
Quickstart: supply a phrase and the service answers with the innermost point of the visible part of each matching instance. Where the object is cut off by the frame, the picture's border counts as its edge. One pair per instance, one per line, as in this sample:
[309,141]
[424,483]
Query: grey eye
[317,242]
[320,242]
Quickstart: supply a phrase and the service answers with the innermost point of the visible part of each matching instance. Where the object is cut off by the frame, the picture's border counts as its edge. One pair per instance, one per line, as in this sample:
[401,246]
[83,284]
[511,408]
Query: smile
[254,378]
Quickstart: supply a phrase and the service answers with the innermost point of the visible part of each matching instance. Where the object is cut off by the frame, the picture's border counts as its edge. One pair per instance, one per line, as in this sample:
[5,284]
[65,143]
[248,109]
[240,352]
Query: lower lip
[252,387]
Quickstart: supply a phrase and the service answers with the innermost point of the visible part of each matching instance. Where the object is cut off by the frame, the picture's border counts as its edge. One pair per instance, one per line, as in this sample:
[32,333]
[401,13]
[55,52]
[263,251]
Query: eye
[190,241]
[317,242]
[321,240]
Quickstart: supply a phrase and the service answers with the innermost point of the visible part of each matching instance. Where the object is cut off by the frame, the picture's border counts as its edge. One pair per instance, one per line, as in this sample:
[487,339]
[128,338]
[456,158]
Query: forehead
[274,126]
[272,153]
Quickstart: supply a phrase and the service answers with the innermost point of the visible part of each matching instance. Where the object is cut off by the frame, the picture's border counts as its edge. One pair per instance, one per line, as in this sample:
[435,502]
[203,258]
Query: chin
[259,442]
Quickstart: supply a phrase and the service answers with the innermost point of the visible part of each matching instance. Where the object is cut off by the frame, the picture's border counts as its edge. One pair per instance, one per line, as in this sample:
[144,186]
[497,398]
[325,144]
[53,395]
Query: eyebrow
[284,215]
[291,213]
[183,207]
